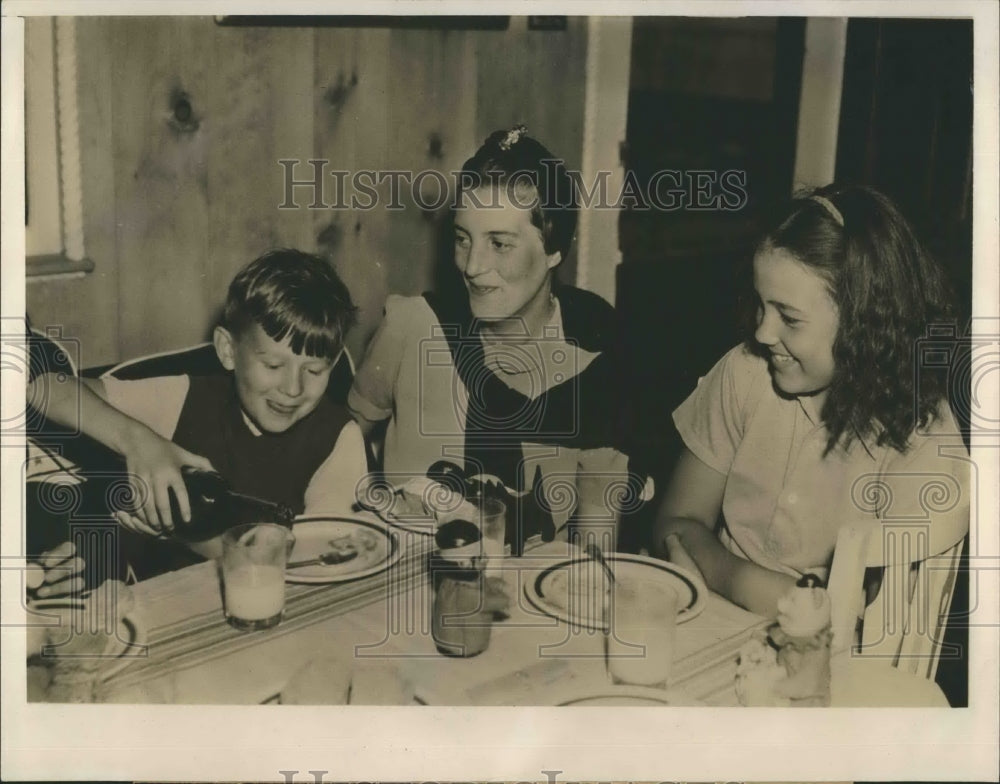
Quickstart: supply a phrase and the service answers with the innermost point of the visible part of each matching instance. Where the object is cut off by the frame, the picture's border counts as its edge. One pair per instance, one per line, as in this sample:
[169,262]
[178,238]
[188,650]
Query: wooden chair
[202,360]
[46,441]
[904,624]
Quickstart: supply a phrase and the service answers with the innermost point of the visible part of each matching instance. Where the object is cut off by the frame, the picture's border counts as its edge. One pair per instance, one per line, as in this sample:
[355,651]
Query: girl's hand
[154,467]
[58,572]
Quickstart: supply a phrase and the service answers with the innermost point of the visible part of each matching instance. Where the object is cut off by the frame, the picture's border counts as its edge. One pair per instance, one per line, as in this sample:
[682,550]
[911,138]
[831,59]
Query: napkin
[376,682]
[334,679]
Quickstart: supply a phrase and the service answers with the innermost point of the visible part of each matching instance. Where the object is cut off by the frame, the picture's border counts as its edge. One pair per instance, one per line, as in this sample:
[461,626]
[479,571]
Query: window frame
[54,236]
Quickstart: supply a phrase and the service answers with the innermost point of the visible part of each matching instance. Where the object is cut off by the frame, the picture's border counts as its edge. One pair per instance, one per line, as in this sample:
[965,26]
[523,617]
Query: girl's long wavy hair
[888,291]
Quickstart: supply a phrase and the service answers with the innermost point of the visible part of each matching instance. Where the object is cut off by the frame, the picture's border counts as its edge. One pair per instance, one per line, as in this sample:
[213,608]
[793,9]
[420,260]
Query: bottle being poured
[215,507]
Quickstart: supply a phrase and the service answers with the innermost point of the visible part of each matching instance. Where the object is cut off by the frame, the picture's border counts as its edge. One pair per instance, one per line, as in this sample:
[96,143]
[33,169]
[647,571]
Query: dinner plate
[128,642]
[378,548]
[127,646]
[627,696]
[417,505]
[550,593]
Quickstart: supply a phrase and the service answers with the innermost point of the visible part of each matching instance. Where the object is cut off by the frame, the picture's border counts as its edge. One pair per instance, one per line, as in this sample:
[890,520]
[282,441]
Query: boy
[266,425]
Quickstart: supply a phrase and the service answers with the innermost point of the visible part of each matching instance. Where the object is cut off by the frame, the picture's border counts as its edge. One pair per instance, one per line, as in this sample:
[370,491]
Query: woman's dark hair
[888,291]
[289,292]
[535,179]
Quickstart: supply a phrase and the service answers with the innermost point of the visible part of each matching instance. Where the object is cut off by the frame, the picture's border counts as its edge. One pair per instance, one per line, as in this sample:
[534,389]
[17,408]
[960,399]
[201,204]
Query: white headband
[827,205]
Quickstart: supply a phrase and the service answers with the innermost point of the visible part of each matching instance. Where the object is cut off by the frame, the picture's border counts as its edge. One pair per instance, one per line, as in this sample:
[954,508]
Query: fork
[326,559]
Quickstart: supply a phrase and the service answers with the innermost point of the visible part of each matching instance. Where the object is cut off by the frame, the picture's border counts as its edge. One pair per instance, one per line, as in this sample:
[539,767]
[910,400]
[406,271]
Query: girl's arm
[690,509]
[153,462]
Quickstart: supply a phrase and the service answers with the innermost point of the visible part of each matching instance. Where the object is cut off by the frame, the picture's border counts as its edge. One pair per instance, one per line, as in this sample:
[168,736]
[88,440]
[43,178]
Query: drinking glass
[253,574]
[639,645]
[491,518]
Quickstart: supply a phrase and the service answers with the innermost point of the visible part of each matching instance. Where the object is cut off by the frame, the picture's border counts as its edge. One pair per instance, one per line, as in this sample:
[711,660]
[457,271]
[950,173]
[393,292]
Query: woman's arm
[371,399]
[366,425]
[334,487]
[691,506]
[153,462]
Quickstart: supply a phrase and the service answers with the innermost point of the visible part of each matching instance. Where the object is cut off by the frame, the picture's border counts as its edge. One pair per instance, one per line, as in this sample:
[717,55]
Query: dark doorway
[906,129]
[709,99]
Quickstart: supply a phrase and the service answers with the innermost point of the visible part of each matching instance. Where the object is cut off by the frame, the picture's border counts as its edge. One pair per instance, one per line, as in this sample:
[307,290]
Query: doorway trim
[605,115]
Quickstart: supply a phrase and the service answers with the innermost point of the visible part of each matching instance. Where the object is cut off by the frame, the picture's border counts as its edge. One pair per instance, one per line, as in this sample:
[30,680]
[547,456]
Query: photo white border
[255,743]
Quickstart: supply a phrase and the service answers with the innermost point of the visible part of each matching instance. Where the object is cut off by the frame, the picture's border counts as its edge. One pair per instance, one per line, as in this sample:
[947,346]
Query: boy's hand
[154,466]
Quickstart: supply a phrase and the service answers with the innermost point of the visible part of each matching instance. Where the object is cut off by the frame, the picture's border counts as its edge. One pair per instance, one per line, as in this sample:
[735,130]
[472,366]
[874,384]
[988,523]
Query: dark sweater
[273,466]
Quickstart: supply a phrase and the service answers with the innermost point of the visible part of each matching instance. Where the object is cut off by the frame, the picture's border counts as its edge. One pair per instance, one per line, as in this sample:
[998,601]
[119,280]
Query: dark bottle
[215,507]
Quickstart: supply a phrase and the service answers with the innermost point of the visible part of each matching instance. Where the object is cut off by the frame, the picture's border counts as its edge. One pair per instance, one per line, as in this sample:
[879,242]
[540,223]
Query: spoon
[326,559]
[594,552]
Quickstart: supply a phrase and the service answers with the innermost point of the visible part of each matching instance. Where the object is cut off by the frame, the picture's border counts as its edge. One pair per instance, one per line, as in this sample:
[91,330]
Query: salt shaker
[461,620]
[802,636]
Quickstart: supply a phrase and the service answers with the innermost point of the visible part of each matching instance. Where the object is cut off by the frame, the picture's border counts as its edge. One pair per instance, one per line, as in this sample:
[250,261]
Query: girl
[785,429]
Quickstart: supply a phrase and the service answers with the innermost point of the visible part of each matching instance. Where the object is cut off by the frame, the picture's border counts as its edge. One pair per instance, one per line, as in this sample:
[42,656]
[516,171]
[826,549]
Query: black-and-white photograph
[441,361]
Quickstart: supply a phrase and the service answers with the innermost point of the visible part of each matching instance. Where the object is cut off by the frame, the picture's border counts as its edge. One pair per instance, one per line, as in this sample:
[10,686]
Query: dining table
[365,632]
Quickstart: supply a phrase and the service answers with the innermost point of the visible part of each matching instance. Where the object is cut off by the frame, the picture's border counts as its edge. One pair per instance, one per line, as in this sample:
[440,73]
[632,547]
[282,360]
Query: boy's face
[276,386]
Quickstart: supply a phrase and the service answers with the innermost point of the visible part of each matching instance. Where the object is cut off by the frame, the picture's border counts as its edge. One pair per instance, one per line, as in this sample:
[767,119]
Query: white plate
[378,548]
[549,591]
[126,646]
[130,644]
[417,505]
[622,696]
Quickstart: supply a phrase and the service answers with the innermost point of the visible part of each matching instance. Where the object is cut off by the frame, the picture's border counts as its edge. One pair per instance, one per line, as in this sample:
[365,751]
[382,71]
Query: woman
[513,378]
[786,430]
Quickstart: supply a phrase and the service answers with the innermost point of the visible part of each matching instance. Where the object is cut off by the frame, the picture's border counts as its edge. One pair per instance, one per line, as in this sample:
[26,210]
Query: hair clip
[513,137]
[809,580]
[827,205]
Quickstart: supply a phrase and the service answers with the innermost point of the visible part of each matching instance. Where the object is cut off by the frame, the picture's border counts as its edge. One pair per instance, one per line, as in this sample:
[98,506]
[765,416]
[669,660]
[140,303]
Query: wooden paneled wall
[183,123]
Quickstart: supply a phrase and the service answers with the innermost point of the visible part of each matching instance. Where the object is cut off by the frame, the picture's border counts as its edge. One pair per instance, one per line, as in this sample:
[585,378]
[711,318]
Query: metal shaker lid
[459,540]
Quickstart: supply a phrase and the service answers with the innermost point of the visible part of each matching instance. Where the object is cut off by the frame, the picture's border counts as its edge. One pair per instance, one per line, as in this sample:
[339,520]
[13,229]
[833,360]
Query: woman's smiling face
[501,256]
[797,322]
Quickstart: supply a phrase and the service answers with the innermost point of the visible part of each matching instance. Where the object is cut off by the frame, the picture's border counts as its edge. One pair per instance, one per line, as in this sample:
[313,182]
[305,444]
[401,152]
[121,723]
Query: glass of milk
[639,643]
[253,574]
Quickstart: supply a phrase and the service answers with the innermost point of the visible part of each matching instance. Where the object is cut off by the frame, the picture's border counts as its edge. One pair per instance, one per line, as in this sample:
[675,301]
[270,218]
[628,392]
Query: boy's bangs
[305,337]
